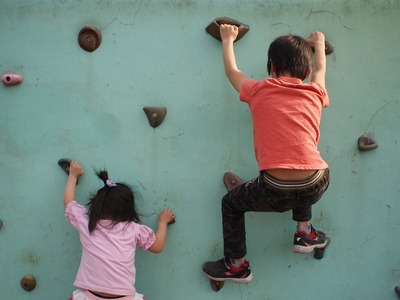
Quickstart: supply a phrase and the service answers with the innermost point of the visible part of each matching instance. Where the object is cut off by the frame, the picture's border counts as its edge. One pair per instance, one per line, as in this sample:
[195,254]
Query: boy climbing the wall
[286,115]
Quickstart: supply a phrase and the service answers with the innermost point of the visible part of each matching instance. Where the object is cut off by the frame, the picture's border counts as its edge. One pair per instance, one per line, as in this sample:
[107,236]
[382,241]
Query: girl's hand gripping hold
[75,171]
[166,217]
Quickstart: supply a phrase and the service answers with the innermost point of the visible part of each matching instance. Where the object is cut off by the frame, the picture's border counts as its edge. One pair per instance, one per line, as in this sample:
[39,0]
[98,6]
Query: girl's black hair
[290,53]
[115,203]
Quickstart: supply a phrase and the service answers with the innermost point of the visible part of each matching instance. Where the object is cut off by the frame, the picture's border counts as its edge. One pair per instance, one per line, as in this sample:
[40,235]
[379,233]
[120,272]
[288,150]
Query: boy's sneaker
[306,243]
[222,270]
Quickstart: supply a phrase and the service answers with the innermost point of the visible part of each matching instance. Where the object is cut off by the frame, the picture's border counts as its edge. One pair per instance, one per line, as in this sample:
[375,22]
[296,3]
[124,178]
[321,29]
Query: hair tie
[110,183]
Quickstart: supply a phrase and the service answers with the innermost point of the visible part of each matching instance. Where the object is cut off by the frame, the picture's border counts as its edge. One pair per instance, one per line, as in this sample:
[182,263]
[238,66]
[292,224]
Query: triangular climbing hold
[155,115]
[366,142]
[232,181]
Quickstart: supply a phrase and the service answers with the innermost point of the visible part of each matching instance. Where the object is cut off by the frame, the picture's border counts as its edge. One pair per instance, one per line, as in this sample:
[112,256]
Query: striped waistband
[303,184]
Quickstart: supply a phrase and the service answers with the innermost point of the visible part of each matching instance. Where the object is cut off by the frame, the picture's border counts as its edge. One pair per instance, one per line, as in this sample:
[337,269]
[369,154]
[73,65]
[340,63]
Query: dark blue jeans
[266,193]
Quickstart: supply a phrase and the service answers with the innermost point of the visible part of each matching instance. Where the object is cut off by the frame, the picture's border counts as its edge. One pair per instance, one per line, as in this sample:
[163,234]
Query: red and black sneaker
[306,243]
[222,270]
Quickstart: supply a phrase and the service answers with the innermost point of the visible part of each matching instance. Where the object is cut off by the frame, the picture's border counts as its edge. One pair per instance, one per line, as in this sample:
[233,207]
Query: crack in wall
[312,11]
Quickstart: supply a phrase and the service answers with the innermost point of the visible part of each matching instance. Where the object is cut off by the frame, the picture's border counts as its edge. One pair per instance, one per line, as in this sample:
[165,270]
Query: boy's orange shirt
[286,115]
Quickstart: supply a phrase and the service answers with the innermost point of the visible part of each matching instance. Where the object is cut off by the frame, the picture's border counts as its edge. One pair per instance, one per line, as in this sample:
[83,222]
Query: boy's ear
[272,67]
[309,73]
[269,67]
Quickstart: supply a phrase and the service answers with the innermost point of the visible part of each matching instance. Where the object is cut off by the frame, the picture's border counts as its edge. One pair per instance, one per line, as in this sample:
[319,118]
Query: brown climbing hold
[213,27]
[232,181]
[28,283]
[89,38]
[155,115]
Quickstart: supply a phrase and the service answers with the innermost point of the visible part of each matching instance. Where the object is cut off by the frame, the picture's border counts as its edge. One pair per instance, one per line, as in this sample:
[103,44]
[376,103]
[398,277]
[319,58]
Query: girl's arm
[166,217]
[228,36]
[75,171]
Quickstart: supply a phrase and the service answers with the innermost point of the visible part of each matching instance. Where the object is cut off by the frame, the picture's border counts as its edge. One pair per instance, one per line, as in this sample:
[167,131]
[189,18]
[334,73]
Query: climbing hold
[397,289]
[64,164]
[155,115]
[366,142]
[213,27]
[231,180]
[1,224]
[89,38]
[28,283]
[11,79]
[328,48]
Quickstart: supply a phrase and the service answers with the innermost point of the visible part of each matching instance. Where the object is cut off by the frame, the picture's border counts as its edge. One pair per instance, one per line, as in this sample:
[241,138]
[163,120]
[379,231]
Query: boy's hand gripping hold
[229,34]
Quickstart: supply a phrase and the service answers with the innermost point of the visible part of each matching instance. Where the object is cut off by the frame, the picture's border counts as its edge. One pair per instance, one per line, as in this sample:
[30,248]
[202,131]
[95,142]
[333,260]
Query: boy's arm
[75,171]
[228,36]
[317,41]
[166,217]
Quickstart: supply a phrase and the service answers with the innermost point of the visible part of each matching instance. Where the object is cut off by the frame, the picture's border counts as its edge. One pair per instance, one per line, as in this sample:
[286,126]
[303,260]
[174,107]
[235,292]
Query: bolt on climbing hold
[213,27]
[366,142]
[155,115]
[28,282]
[64,164]
[11,79]
[328,48]
[89,38]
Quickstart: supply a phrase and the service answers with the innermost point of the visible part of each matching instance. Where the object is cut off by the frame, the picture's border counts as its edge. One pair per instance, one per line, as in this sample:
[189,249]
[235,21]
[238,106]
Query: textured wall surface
[89,107]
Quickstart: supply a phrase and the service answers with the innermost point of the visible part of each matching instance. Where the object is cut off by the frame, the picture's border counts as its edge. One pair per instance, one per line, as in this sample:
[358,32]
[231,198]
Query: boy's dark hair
[114,201]
[290,53]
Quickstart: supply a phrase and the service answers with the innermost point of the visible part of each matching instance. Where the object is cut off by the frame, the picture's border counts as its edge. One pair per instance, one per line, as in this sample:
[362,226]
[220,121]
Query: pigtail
[102,174]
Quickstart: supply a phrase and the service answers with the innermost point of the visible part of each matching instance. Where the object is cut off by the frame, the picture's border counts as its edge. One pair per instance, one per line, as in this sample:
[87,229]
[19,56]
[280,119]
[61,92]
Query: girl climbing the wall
[109,232]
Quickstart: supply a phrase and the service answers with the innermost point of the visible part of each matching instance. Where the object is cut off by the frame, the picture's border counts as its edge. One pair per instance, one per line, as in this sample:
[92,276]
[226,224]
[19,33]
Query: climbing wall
[89,106]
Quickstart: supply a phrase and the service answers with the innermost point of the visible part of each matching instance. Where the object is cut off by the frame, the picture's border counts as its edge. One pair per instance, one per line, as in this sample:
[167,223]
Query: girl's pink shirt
[286,117]
[108,254]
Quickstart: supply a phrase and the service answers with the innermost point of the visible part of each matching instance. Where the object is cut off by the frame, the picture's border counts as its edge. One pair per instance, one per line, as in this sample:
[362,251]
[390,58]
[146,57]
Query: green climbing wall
[89,107]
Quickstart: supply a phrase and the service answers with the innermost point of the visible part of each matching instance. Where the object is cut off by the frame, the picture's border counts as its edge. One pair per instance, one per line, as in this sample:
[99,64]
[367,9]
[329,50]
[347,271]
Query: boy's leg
[263,193]
[306,238]
[249,196]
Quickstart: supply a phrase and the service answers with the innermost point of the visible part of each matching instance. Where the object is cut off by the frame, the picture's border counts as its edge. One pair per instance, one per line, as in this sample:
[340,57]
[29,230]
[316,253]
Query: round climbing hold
[28,282]
[89,38]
